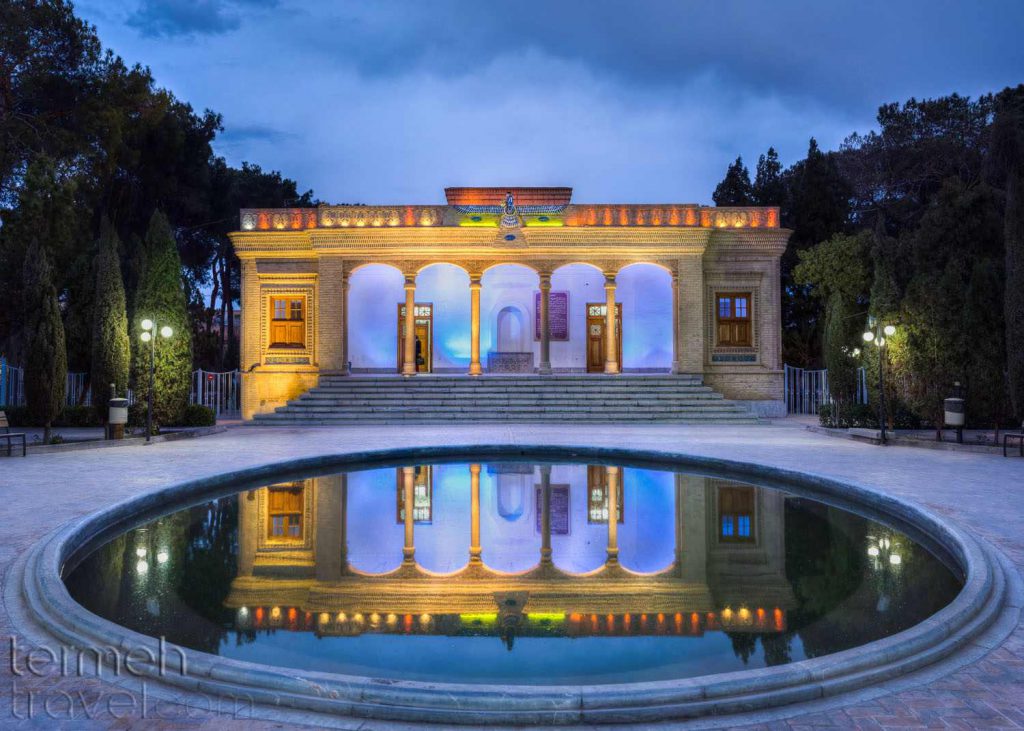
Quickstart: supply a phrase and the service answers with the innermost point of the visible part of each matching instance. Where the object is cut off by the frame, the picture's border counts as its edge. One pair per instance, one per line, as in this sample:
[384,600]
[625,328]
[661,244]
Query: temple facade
[510,280]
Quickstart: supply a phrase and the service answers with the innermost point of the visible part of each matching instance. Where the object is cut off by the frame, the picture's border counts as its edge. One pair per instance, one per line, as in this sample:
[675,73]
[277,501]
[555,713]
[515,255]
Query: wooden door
[596,312]
[423,324]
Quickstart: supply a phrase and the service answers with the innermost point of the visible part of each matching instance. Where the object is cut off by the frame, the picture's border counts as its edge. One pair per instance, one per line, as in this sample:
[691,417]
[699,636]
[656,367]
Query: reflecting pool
[514,572]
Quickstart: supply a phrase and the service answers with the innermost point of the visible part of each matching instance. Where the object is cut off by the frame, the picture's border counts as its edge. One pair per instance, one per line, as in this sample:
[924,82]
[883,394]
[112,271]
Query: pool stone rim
[977,606]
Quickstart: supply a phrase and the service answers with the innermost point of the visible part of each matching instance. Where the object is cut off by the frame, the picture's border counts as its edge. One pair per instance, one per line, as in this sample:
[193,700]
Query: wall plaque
[559,509]
[558,315]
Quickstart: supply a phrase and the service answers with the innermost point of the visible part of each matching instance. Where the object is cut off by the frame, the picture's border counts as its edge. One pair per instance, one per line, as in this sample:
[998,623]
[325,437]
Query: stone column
[409,356]
[330,349]
[475,550]
[545,514]
[613,515]
[611,351]
[545,325]
[344,326]
[474,326]
[330,527]
[676,364]
[250,356]
[690,300]
[409,489]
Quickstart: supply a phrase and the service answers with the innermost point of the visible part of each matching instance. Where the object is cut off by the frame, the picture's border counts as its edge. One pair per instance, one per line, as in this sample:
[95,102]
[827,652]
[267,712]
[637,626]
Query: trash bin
[954,408]
[117,417]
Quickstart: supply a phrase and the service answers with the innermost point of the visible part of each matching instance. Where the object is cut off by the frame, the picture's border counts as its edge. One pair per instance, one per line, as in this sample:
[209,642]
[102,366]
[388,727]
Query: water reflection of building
[562,549]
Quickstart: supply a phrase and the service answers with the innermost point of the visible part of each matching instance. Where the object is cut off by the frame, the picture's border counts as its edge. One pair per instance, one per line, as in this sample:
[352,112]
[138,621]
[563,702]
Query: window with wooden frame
[285,508]
[733,316]
[736,513]
[288,322]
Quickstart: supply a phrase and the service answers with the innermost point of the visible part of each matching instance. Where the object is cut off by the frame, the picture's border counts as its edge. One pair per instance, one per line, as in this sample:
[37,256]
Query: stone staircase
[593,398]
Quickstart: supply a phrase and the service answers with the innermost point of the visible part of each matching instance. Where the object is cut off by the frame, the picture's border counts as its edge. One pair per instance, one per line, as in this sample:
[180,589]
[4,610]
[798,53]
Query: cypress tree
[46,364]
[160,297]
[111,350]
[735,189]
[1008,154]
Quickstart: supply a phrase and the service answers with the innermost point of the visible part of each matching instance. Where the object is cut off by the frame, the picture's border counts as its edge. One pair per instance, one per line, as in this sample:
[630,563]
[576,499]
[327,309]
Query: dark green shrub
[16,415]
[79,416]
[198,415]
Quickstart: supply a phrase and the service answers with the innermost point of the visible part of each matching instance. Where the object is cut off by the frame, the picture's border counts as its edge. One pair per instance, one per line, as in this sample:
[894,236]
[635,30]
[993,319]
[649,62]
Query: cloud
[170,18]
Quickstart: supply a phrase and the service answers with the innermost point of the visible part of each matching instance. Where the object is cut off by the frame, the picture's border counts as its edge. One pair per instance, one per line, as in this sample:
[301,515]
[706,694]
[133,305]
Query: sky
[388,101]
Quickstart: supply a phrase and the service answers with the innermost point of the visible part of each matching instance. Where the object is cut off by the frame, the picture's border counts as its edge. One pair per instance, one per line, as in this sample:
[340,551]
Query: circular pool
[521,585]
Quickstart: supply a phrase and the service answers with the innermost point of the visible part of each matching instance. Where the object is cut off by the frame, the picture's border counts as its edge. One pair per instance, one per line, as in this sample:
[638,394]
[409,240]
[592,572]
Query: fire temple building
[512,281]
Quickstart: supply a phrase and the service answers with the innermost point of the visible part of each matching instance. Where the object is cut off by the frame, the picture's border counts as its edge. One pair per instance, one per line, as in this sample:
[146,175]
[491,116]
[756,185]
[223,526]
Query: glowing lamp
[147,324]
[868,337]
[142,567]
[162,557]
[146,337]
[889,330]
[895,559]
[166,331]
[873,551]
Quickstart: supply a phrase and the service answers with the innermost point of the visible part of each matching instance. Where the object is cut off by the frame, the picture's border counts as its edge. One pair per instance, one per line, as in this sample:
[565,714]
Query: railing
[807,390]
[219,391]
[12,384]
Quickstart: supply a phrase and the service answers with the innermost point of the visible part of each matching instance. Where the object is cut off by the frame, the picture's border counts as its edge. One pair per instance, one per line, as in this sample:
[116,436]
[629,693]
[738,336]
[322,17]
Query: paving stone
[979,492]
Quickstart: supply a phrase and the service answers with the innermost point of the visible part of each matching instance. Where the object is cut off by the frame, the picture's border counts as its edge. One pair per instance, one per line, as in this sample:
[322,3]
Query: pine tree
[46,365]
[769,188]
[111,350]
[160,297]
[735,188]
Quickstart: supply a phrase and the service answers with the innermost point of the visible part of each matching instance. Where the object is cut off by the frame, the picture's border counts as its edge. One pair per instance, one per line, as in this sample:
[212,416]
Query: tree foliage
[46,367]
[111,350]
[735,189]
[161,298]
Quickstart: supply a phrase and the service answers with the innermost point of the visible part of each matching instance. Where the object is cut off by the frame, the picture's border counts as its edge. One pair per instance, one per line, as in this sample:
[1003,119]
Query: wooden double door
[597,335]
[423,338]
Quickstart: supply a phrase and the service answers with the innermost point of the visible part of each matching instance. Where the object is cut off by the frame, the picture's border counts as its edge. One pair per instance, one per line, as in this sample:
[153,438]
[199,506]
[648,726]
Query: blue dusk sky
[380,101]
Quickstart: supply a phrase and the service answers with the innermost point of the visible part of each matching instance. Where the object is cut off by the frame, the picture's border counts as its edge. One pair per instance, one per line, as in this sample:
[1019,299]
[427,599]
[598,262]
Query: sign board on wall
[558,315]
[559,509]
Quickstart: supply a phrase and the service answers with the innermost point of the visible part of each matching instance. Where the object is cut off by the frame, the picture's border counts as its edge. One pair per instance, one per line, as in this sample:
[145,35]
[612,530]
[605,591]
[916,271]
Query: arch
[374,293]
[375,538]
[442,545]
[583,282]
[423,268]
[508,534]
[505,286]
[359,267]
[664,267]
[645,291]
[583,548]
[591,265]
[647,533]
[446,287]
[511,330]
[524,264]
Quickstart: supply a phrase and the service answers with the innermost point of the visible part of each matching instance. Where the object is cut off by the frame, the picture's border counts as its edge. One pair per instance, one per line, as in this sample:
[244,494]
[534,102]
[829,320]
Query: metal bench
[11,436]
[1019,437]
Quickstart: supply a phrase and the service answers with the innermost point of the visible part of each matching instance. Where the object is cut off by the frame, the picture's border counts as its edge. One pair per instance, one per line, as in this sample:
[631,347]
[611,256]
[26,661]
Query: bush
[197,415]
[865,416]
[71,416]
[80,416]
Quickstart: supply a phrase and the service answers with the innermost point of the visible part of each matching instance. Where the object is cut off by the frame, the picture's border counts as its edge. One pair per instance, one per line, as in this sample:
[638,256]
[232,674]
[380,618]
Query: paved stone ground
[983,493]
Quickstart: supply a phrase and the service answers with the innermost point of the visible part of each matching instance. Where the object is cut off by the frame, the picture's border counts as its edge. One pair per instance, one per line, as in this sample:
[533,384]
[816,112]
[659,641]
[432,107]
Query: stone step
[522,398]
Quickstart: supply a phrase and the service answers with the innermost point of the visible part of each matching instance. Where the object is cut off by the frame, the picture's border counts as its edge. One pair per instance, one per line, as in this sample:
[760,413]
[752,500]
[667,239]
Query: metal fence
[219,391]
[807,390]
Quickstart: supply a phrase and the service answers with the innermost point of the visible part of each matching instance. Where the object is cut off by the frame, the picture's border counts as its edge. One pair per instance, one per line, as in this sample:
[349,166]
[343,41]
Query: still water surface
[514,572]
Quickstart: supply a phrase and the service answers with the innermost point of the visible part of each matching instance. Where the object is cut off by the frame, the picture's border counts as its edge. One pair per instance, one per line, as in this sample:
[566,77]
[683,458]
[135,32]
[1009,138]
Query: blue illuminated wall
[447,288]
[645,291]
[373,296]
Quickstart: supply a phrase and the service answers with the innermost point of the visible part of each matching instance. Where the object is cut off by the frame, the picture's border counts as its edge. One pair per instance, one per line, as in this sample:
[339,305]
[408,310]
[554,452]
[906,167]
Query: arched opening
[580,285]
[375,537]
[645,293]
[511,330]
[508,517]
[374,291]
[445,287]
[647,535]
[507,318]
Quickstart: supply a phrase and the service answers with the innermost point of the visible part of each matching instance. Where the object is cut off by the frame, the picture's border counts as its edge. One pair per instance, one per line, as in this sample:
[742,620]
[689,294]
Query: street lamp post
[149,330]
[878,333]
